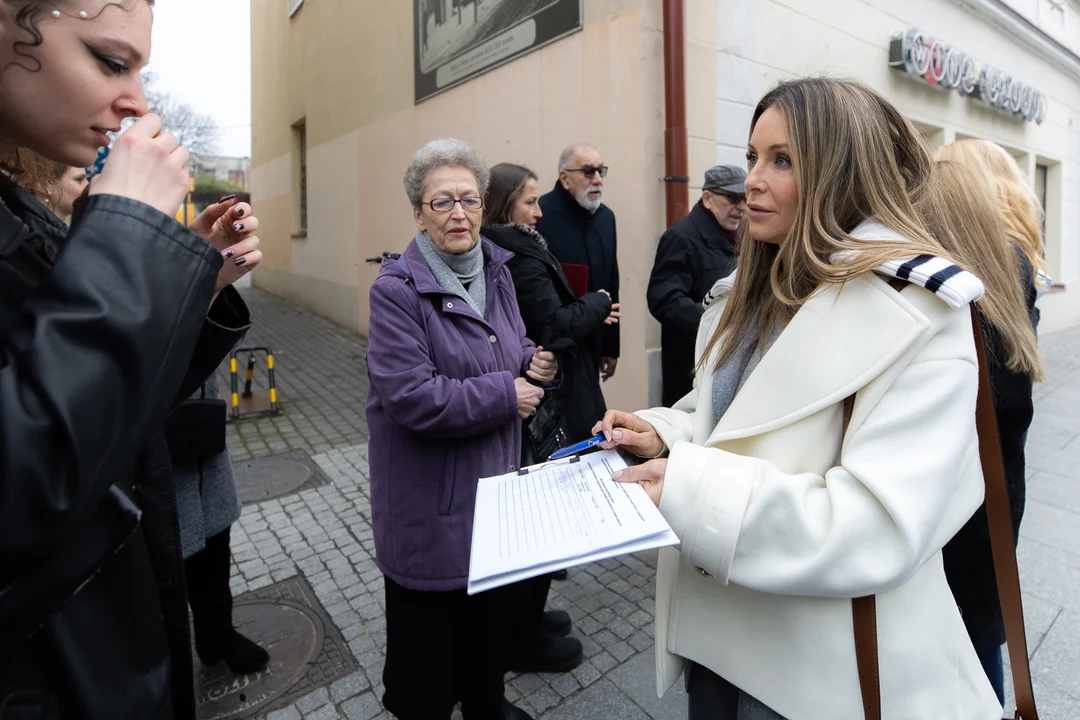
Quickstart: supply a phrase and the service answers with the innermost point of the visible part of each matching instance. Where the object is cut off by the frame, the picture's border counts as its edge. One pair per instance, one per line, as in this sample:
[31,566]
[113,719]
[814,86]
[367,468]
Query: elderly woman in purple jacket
[451,377]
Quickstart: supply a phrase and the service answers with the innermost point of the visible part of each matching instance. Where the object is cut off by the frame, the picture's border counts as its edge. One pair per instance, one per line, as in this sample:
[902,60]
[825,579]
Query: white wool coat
[783,521]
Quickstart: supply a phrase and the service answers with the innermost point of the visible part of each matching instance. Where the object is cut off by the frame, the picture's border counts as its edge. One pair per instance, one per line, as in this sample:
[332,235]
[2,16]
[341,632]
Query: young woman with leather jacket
[103,329]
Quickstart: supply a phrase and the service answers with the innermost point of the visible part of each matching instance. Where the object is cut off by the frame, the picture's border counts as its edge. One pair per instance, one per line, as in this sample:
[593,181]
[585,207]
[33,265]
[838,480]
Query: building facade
[335,118]
[229,169]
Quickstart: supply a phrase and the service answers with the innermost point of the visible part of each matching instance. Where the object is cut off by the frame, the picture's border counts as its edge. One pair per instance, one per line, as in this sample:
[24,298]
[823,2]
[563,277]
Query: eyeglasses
[589,171]
[446,204]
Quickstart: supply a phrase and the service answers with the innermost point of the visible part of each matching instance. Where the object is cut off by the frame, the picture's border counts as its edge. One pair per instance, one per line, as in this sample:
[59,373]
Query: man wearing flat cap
[693,254]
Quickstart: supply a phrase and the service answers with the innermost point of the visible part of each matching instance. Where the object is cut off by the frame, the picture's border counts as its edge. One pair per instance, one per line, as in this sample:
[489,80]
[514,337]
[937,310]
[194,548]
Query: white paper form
[556,515]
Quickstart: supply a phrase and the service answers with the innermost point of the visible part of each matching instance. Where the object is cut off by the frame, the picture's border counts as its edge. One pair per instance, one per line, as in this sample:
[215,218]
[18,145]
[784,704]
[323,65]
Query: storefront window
[1041,172]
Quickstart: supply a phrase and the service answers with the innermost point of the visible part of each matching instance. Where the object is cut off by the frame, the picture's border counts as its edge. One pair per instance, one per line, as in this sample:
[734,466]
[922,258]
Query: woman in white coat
[784,518]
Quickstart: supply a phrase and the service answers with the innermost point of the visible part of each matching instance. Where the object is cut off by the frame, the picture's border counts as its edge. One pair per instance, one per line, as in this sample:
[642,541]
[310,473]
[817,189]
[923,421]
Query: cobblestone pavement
[325,534]
[321,377]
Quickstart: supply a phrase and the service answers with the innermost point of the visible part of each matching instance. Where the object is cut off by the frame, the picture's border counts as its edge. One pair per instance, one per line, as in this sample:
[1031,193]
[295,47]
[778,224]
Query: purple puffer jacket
[442,412]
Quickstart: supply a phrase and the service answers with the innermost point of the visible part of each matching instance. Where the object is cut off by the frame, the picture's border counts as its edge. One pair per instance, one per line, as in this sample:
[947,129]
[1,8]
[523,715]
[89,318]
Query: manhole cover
[277,475]
[291,634]
[306,652]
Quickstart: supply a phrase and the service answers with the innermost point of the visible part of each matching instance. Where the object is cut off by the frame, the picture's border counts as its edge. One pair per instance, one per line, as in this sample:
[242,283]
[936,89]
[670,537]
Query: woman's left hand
[231,229]
[544,366]
[648,475]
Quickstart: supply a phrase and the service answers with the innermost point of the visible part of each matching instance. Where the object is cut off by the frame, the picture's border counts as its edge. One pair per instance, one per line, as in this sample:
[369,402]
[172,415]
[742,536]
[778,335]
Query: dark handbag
[195,430]
[544,432]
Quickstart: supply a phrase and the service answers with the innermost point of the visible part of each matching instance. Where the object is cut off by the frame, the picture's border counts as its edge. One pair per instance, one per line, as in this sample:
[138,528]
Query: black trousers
[209,595]
[711,697]
[446,647]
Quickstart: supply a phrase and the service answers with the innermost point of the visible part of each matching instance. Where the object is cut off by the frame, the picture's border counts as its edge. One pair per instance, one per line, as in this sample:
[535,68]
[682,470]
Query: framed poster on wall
[455,40]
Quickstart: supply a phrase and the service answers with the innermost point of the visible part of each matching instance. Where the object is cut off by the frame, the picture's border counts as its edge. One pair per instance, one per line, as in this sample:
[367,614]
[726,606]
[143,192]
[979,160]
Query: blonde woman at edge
[783,518]
[962,213]
[1020,208]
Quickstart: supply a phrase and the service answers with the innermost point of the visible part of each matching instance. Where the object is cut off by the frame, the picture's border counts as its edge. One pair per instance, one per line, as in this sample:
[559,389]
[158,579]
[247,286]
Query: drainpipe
[677,180]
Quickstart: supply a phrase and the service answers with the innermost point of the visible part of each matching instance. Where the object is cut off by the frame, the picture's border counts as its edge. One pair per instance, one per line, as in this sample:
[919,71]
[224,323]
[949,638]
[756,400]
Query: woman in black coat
[102,329]
[555,317]
[557,320]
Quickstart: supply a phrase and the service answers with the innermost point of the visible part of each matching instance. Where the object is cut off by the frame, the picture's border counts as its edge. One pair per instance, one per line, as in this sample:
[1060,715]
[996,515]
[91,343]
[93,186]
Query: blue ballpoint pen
[579,447]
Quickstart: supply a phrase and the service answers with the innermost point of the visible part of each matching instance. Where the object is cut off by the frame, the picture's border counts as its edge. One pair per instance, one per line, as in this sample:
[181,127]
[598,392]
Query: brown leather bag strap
[1003,548]
[864,615]
[1001,533]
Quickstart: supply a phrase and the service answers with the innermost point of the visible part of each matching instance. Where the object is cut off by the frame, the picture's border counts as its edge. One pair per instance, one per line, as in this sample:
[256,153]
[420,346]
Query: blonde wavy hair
[1017,205]
[854,157]
[962,213]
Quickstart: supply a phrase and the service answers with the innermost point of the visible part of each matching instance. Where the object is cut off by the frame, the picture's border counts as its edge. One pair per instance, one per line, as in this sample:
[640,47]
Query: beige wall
[347,68]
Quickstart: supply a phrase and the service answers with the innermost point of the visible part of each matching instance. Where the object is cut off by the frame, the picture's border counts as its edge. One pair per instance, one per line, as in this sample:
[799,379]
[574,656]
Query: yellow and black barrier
[248,402]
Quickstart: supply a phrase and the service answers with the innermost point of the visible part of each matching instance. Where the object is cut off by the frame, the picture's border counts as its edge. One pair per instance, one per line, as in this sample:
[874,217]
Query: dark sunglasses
[589,171]
[733,198]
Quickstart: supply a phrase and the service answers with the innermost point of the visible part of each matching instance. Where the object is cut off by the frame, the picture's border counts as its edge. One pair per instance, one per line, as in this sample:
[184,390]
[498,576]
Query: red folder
[578,275]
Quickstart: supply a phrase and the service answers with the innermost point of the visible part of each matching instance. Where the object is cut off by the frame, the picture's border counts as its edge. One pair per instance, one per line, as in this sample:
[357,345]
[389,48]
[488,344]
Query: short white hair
[443,152]
[567,156]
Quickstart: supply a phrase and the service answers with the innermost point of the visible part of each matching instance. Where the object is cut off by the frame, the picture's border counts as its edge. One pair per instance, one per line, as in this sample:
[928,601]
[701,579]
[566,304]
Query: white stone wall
[760,42]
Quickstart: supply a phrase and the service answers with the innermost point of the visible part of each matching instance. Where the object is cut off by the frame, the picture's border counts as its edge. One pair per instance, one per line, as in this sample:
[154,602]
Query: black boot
[556,622]
[207,573]
[551,654]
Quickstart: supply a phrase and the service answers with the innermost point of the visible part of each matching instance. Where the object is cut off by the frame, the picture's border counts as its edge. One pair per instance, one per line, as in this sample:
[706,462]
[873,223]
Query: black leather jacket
[102,330]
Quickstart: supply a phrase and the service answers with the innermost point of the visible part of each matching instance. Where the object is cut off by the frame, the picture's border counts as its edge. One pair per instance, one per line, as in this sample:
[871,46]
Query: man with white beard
[580,231]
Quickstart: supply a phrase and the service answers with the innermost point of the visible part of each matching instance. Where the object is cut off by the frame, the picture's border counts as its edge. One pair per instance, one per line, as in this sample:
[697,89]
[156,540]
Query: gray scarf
[732,375]
[462,274]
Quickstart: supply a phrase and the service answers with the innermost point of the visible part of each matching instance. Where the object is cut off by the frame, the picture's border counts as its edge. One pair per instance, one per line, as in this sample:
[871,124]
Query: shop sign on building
[931,60]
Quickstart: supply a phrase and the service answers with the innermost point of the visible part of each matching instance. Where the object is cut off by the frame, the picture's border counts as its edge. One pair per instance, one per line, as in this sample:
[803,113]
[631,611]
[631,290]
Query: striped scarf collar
[955,286]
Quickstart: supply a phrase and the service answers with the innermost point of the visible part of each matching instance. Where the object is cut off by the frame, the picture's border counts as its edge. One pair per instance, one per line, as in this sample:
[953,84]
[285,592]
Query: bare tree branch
[196,131]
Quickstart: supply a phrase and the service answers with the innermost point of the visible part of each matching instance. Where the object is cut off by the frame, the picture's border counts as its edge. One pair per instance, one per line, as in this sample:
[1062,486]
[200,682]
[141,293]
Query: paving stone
[605,638]
[349,686]
[326,712]
[588,625]
[589,646]
[604,661]
[363,707]
[637,679]
[621,628]
[359,644]
[286,713]
[313,700]
[640,641]
[527,683]
[621,651]
[565,685]
[602,700]
[370,660]
[544,698]
[586,673]
[1058,657]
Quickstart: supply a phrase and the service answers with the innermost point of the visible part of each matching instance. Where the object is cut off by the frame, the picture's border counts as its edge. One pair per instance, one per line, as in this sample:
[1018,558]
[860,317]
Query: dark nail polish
[229,254]
[240,212]
[227,198]
[241,261]
[238,226]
